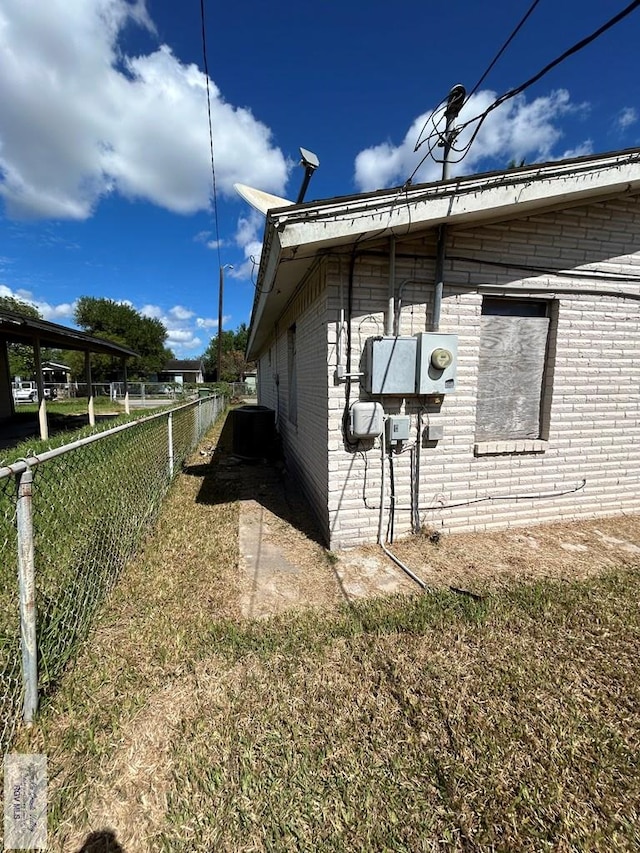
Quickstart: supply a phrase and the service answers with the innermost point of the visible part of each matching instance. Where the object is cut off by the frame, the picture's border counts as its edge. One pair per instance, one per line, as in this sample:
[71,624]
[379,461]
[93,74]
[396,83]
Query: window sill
[510,447]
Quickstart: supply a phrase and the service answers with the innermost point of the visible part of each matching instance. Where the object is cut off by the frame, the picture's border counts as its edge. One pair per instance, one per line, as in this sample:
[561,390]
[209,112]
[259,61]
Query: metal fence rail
[70,519]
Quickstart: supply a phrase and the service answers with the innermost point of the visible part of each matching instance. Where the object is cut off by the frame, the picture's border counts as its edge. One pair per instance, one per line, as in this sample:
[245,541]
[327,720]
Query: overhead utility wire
[502,49]
[213,162]
[440,107]
[578,46]
[480,118]
[435,134]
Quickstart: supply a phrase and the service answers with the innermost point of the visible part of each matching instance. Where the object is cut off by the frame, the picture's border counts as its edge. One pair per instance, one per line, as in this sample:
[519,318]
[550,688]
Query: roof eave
[335,223]
[503,194]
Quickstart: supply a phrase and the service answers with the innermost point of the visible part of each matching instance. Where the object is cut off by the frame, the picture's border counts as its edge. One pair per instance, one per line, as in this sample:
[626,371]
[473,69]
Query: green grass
[75,406]
[434,722]
[421,724]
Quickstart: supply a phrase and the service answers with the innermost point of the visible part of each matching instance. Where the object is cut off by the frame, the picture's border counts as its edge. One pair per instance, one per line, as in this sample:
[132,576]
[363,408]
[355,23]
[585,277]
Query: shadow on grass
[227,478]
[103,841]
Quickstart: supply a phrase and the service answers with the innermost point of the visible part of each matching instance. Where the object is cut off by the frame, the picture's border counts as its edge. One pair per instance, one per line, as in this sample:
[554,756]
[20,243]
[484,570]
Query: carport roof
[19,329]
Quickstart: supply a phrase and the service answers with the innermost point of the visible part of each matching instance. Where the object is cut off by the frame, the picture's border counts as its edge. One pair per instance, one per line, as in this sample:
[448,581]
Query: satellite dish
[260,200]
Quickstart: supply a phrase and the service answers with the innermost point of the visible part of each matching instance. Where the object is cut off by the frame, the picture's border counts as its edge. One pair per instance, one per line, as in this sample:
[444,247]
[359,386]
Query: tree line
[121,324]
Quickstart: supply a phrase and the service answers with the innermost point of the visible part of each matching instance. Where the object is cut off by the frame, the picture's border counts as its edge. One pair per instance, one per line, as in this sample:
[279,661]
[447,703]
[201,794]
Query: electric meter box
[436,363]
[390,366]
[366,420]
[398,427]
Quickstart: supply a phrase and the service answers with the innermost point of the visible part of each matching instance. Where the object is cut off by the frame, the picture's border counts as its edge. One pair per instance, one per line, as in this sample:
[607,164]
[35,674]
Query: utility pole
[220,301]
[455,100]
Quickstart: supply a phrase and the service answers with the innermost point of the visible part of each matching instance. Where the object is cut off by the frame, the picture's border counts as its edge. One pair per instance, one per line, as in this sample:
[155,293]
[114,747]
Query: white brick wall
[305,442]
[591,414]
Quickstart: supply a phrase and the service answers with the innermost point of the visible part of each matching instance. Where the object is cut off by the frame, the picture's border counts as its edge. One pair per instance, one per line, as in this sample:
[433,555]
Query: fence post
[26,579]
[170,440]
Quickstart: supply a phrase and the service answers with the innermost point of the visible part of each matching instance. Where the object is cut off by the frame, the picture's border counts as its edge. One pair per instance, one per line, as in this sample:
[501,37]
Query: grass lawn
[75,406]
[416,723]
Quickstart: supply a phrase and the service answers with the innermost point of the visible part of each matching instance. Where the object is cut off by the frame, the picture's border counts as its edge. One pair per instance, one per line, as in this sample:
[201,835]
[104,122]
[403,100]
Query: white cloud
[79,120]
[248,238]
[514,131]
[180,336]
[627,117]
[53,313]
[194,343]
[181,313]
[207,323]
[179,322]
[580,150]
[153,311]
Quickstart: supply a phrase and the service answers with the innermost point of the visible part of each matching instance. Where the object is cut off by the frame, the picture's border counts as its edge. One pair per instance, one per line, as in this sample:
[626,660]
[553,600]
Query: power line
[430,118]
[442,105]
[512,93]
[503,48]
[578,46]
[213,163]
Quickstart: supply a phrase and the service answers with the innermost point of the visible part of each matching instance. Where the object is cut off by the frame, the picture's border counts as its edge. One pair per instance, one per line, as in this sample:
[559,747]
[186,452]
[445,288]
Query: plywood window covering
[292,374]
[513,348]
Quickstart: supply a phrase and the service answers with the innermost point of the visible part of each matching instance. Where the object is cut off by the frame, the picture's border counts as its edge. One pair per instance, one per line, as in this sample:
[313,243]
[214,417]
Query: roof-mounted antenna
[310,163]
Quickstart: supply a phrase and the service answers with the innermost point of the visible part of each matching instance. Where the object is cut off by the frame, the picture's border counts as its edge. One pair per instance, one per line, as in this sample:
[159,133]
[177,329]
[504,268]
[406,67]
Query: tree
[21,356]
[233,362]
[122,324]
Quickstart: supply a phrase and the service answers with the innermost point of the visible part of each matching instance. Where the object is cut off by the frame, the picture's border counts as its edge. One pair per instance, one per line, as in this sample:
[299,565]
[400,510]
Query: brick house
[534,413]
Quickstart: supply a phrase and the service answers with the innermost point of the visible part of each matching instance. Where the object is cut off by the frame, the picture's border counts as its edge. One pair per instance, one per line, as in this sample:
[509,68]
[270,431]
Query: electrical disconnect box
[366,420]
[390,366]
[436,363]
[398,427]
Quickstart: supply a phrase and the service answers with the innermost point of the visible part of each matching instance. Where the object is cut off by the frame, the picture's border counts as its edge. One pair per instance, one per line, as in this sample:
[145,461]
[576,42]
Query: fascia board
[264,286]
[456,201]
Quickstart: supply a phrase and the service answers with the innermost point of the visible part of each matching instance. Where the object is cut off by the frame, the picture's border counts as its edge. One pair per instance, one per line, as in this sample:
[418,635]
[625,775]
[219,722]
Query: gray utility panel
[437,363]
[390,366]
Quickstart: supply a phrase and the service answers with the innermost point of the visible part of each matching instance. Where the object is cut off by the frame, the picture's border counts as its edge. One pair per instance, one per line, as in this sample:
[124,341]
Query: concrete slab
[269,578]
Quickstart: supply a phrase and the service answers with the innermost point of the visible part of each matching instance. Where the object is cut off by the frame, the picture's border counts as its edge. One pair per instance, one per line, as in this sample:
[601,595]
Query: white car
[26,392]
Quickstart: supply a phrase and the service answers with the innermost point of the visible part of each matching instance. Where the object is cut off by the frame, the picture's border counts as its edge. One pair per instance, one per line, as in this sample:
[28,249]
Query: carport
[18,329]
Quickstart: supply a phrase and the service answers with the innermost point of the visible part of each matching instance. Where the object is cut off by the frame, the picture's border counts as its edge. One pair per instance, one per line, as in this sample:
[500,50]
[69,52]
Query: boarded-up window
[292,375]
[513,347]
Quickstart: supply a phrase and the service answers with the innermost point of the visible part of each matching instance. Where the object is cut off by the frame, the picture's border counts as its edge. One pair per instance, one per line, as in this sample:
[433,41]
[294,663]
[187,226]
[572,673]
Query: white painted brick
[593,413]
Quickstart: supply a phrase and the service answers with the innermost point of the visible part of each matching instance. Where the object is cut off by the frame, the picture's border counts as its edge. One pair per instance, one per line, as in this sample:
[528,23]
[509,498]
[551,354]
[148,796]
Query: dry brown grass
[422,722]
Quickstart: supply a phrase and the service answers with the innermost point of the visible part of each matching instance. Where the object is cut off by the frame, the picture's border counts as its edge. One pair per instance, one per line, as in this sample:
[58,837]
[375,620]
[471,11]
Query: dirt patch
[474,562]
[283,564]
[567,550]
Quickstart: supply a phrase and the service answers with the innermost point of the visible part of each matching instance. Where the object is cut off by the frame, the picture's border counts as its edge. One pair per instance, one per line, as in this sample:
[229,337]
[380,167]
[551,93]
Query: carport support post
[126,386]
[27,584]
[42,403]
[87,373]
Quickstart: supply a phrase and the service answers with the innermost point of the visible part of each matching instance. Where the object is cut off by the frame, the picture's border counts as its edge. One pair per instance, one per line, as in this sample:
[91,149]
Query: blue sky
[105,174]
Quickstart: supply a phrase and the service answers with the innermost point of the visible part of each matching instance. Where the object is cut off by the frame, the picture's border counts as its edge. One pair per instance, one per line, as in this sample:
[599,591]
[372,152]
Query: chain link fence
[78,521]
